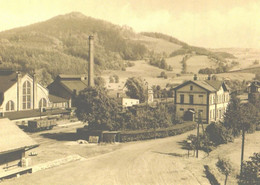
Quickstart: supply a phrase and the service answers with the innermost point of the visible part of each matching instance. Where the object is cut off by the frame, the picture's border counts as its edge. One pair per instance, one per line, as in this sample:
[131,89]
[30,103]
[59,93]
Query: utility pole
[242,148]
[198,133]
[197,145]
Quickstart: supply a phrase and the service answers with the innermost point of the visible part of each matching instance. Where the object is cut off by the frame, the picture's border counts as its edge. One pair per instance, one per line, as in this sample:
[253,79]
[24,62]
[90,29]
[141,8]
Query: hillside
[57,44]
[60,45]
[245,56]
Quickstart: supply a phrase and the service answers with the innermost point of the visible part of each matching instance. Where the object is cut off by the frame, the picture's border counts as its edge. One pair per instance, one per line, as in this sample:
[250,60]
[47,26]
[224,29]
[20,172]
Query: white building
[21,92]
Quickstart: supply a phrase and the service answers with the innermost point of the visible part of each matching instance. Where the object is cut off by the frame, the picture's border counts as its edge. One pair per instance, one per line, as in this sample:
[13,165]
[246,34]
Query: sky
[206,23]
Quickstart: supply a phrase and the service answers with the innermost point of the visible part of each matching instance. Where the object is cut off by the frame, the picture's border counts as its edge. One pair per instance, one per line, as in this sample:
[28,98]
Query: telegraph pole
[197,147]
[199,120]
[242,148]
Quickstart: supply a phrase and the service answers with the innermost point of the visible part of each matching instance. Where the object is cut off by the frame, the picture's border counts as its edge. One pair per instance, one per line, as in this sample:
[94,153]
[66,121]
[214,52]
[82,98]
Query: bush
[218,134]
[250,171]
[127,136]
[224,167]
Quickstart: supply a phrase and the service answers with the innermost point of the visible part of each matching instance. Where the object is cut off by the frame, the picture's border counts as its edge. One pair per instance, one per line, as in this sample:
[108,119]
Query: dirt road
[159,161]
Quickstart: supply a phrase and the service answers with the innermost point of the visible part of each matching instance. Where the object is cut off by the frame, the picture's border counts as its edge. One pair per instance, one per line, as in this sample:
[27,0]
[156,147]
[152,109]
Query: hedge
[126,136]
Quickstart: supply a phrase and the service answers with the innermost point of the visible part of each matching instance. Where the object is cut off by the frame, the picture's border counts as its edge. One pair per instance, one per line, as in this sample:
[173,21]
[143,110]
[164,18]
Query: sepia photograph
[129,92]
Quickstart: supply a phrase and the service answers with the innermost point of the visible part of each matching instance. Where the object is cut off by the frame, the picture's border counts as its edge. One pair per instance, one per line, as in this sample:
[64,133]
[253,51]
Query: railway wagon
[42,124]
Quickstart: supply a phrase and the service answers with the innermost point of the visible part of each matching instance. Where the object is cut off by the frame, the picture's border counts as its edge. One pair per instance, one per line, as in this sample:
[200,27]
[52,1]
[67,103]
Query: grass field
[144,70]
[245,56]
[158,45]
[237,76]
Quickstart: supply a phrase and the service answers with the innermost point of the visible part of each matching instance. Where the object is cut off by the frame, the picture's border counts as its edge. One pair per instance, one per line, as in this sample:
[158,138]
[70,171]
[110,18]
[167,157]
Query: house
[21,92]
[68,86]
[207,100]
[253,91]
[122,99]
[13,145]
[129,102]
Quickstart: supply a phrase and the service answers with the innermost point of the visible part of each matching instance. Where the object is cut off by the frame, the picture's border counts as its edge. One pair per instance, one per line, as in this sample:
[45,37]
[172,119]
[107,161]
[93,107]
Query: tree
[256,62]
[111,79]
[250,174]
[163,75]
[257,76]
[224,167]
[95,107]
[136,88]
[163,64]
[116,78]
[99,81]
[231,116]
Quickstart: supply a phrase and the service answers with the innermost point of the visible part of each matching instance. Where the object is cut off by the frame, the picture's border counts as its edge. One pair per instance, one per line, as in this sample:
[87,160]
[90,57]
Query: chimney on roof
[91,62]
[195,77]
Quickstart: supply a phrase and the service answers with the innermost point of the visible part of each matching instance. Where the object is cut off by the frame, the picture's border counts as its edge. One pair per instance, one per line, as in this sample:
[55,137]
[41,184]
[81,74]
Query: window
[43,102]
[9,106]
[201,96]
[220,115]
[213,99]
[181,109]
[191,87]
[191,99]
[182,98]
[226,97]
[26,95]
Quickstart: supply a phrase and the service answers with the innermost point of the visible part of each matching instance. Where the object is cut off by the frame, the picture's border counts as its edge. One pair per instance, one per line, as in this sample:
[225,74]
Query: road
[160,161]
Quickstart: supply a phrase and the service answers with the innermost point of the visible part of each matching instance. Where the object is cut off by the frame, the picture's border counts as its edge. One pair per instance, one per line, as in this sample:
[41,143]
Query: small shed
[13,144]
[111,136]
[103,136]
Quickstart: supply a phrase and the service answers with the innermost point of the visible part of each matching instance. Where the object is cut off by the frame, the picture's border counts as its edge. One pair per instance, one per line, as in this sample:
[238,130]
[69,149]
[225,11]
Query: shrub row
[127,136]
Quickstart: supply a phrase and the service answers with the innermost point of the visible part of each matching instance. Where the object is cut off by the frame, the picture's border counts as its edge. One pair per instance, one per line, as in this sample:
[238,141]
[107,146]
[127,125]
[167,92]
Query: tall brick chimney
[91,62]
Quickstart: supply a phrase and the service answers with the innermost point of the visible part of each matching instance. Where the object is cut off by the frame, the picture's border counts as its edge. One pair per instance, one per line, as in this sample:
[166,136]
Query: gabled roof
[12,138]
[214,83]
[72,85]
[208,85]
[7,80]
[56,99]
[70,82]
[255,83]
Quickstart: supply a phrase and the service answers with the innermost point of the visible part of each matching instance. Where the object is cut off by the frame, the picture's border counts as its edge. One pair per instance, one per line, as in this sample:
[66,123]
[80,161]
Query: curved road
[160,161]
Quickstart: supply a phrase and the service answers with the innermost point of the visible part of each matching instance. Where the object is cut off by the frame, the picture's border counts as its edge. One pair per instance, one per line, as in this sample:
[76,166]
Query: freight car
[41,124]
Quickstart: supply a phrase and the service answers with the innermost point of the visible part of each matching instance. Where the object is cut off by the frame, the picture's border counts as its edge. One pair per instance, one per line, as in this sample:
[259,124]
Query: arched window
[9,106]
[43,102]
[27,95]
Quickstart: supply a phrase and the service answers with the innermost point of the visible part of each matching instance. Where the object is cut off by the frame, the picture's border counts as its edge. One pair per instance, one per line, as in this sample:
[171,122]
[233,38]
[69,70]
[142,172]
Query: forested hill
[60,45]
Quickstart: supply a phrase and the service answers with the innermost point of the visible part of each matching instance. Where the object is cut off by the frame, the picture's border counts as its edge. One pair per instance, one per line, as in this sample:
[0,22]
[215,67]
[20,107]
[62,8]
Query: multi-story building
[207,99]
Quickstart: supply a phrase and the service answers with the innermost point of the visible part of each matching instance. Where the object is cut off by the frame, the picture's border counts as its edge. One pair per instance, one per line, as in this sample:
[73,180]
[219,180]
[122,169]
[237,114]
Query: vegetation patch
[127,136]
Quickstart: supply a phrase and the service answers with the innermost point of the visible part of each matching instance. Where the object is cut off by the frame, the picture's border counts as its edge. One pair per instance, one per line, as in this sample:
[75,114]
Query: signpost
[189,146]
